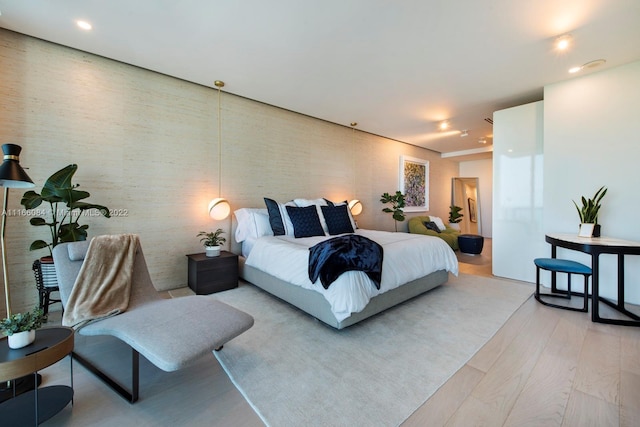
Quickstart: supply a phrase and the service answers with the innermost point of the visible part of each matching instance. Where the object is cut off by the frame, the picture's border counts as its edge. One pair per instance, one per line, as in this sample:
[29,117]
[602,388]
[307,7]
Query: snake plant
[590,207]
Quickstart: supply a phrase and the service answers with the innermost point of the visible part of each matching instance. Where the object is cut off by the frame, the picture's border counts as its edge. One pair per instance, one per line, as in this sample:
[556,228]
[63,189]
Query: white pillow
[438,222]
[252,223]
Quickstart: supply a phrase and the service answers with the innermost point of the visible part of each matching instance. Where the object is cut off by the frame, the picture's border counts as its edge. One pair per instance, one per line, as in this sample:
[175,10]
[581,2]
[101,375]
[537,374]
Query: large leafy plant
[66,208]
[590,207]
[397,204]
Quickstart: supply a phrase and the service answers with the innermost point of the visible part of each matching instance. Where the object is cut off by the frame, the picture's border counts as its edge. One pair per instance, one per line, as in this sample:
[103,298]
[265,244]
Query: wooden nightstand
[213,274]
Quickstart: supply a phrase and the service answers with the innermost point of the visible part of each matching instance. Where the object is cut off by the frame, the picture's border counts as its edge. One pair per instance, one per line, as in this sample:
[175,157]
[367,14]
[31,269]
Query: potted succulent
[397,203]
[589,213]
[455,217]
[212,242]
[20,328]
[66,207]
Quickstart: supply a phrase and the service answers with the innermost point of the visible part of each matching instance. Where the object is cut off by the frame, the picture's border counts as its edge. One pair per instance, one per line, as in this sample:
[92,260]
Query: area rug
[294,370]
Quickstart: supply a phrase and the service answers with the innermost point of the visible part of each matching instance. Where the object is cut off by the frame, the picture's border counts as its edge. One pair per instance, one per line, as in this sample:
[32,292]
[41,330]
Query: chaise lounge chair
[170,333]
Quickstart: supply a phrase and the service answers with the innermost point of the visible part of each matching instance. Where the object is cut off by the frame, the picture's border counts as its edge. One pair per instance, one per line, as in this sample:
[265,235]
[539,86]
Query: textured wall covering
[146,146]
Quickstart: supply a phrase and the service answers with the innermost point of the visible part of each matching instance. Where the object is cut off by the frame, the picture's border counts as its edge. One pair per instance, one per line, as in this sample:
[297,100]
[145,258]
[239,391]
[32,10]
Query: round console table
[38,405]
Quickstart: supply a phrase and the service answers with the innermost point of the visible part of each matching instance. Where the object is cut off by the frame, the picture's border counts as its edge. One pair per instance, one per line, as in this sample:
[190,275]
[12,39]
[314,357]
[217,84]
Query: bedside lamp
[355,207]
[11,176]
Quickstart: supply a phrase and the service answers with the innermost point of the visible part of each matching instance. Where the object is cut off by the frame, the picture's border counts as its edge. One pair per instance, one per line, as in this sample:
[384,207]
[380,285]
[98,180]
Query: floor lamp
[11,176]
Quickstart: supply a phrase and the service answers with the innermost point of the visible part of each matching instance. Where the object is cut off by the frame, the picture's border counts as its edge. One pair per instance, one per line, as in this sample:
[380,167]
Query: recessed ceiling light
[482,141]
[444,125]
[84,25]
[464,133]
[563,42]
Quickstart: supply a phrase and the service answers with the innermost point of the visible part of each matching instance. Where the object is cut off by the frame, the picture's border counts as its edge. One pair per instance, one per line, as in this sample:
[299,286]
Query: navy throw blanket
[330,258]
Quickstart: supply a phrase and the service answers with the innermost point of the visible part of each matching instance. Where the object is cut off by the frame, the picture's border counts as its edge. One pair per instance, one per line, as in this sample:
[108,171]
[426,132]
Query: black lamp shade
[11,173]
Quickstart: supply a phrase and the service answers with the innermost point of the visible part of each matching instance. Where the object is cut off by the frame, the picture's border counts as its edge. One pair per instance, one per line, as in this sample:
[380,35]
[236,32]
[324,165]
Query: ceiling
[397,68]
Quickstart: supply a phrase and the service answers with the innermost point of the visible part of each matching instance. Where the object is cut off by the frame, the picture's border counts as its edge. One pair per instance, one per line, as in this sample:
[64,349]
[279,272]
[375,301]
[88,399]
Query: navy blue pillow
[337,219]
[306,222]
[275,219]
[431,226]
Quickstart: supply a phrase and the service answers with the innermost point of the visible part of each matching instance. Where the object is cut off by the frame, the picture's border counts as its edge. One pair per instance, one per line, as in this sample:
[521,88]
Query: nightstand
[213,274]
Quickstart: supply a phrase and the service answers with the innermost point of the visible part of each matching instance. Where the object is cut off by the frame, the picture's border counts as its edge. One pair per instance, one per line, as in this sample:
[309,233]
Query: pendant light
[354,205]
[219,207]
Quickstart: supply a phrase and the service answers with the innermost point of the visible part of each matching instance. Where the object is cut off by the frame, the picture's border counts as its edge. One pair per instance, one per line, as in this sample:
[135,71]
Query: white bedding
[406,257]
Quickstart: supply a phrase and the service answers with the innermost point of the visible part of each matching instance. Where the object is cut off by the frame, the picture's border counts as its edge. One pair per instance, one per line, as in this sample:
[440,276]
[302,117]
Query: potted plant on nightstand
[212,242]
[455,217]
[20,328]
[589,214]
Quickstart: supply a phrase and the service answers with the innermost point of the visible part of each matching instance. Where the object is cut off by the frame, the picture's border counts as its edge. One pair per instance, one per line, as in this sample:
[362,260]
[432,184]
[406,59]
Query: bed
[278,262]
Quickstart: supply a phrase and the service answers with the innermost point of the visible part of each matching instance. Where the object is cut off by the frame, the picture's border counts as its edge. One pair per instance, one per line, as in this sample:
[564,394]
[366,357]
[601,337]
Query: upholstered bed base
[316,305]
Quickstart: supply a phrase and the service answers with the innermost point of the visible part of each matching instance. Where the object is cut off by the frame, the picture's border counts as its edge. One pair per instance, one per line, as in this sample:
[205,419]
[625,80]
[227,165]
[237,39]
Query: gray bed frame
[315,304]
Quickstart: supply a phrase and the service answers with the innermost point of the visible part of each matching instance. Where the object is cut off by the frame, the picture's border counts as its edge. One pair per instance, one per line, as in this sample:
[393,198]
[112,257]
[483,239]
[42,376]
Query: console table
[595,246]
[40,404]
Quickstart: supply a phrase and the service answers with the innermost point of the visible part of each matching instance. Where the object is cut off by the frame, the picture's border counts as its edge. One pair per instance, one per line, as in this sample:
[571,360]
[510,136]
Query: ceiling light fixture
[482,141]
[444,125]
[590,64]
[219,207]
[84,25]
[464,133]
[563,42]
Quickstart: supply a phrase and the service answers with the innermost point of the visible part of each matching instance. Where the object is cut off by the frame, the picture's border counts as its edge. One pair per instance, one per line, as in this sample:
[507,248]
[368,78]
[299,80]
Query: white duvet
[406,257]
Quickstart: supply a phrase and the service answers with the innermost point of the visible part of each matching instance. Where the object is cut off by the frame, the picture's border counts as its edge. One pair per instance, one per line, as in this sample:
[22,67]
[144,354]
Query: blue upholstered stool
[556,265]
[470,243]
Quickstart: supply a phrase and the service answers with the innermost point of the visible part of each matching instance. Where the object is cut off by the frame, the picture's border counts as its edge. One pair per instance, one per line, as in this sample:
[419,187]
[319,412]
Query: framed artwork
[414,183]
[473,214]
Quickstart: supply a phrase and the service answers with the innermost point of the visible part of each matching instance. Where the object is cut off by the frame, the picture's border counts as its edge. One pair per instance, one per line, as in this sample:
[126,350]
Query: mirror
[464,193]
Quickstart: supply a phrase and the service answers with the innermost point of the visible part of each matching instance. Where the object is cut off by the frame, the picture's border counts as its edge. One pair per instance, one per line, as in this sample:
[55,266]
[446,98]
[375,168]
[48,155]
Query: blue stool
[470,244]
[556,265]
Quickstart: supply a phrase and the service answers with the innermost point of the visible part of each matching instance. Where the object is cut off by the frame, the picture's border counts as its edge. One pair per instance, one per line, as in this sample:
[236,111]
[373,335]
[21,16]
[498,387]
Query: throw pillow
[337,218]
[438,222]
[279,218]
[306,222]
[432,226]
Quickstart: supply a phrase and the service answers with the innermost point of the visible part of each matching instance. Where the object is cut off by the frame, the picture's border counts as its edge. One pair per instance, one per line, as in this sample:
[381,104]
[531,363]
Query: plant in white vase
[589,213]
[212,242]
[455,217]
[20,328]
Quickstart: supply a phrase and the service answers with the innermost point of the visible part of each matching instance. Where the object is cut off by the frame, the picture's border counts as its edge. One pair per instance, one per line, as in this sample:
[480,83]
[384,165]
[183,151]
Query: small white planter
[21,339]
[454,225]
[212,251]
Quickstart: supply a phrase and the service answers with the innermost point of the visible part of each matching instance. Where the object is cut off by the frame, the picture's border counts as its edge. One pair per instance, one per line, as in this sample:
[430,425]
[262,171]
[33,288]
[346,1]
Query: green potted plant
[397,203]
[20,328]
[455,217]
[212,241]
[588,212]
[65,208]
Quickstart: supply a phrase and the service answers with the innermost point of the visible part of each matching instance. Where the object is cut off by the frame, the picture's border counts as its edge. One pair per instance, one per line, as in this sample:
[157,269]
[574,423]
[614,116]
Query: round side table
[38,405]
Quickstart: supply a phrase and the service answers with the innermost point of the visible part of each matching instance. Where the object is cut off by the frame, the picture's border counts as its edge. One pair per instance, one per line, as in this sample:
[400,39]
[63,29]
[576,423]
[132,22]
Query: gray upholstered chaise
[170,333]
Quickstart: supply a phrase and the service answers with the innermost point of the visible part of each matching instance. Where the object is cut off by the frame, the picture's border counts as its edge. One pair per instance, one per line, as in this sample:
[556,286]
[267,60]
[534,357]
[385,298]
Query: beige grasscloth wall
[146,146]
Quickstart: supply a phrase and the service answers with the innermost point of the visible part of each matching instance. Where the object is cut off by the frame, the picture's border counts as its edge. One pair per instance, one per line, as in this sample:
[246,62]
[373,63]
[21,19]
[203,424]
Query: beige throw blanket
[103,285]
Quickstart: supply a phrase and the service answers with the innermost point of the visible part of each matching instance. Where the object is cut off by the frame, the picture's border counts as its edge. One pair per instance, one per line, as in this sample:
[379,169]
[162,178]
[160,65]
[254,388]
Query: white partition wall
[518,235]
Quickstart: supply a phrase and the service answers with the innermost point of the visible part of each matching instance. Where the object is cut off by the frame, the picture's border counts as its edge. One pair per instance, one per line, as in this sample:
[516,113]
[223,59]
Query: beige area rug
[296,371]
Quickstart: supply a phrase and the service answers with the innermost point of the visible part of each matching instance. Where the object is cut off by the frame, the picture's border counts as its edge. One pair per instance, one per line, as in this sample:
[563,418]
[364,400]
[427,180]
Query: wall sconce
[219,207]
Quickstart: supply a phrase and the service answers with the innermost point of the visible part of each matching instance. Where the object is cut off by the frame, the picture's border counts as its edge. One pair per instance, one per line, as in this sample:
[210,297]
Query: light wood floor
[544,367]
